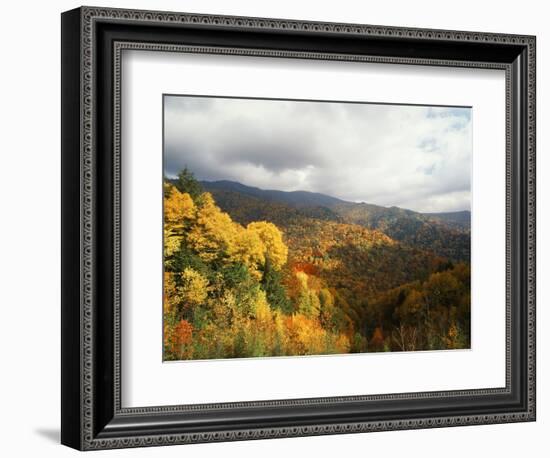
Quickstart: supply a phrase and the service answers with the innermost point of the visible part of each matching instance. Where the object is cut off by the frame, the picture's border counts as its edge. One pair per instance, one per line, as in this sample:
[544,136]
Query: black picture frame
[92,416]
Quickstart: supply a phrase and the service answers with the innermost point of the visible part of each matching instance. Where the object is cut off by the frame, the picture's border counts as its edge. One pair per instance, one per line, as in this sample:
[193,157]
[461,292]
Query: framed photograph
[276,228]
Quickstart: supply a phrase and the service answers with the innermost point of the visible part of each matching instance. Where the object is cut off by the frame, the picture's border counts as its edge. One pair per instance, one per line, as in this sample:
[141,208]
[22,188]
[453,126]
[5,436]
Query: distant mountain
[445,234]
[301,199]
[295,198]
[460,219]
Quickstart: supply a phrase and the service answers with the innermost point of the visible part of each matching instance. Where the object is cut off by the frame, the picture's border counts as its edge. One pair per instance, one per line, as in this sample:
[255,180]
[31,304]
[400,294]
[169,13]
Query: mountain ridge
[299,197]
[318,198]
[442,234]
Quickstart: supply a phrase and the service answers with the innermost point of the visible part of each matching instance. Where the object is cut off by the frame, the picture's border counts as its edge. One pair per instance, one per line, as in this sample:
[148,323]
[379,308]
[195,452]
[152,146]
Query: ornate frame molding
[89,436]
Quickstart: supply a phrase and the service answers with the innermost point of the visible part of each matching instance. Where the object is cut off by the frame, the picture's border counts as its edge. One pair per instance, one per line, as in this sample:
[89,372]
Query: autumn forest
[256,273]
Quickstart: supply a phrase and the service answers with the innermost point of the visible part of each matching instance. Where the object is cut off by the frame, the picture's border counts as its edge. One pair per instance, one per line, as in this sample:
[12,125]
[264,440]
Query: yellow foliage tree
[179,211]
[326,302]
[342,344]
[261,328]
[310,337]
[272,238]
[262,311]
[213,230]
[308,301]
[194,289]
[172,241]
[248,249]
[281,338]
[178,206]
[169,293]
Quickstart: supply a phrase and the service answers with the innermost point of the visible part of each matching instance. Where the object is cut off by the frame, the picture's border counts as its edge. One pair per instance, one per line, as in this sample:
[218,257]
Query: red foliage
[377,341]
[305,267]
[183,333]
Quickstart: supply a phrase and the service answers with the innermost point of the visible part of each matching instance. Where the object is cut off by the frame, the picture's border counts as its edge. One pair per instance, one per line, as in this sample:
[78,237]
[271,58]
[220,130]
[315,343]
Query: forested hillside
[260,273]
[446,234]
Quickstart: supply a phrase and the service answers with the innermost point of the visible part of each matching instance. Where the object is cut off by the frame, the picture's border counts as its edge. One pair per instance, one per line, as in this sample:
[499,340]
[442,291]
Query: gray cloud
[408,156]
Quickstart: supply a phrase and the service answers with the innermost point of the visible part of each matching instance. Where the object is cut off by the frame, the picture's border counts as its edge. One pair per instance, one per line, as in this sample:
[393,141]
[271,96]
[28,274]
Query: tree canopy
[292,283]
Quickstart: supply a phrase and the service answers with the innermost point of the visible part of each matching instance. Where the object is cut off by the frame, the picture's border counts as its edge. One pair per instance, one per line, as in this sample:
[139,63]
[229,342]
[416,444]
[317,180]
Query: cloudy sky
[413,157]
